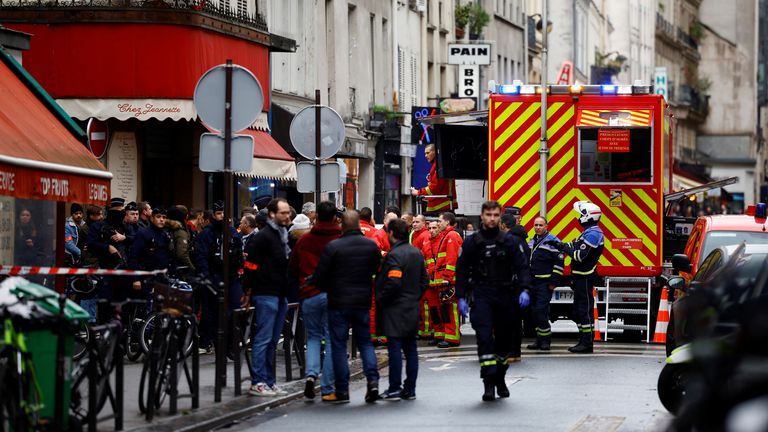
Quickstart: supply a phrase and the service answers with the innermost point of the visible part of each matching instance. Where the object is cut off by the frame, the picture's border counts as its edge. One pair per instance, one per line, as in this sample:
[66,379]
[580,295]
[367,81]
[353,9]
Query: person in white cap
[585,252]
[309,210]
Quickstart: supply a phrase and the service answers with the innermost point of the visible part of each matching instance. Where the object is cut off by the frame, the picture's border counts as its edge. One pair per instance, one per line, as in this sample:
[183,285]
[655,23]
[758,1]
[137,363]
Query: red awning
[39,157]
[614,117]
[270,160]
[264,146]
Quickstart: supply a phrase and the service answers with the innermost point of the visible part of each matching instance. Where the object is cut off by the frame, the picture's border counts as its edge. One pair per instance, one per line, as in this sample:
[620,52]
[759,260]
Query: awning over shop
[139,109]
[40,157]
[269,159]
[612,117]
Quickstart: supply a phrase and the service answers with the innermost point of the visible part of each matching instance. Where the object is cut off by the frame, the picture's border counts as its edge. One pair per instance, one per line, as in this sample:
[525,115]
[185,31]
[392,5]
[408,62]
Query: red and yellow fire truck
[609,144]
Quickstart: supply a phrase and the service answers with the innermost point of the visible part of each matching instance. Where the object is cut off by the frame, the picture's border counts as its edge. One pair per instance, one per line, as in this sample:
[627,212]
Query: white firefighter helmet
[588,212]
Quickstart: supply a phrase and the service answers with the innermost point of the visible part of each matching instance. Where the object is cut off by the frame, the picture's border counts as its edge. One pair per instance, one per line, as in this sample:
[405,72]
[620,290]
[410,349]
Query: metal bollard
[173,378]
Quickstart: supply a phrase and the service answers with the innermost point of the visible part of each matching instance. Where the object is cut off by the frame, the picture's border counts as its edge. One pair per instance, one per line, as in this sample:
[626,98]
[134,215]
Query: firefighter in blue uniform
[585,252]
[493,269]
[546,272]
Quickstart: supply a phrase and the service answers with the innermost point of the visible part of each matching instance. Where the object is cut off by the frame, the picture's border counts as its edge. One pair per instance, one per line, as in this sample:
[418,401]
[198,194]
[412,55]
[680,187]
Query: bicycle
[147,326]
[174,336]
[20,400]
[104,345]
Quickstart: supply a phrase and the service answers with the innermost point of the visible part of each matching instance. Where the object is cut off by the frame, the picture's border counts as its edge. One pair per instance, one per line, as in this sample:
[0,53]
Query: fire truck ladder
[626,297]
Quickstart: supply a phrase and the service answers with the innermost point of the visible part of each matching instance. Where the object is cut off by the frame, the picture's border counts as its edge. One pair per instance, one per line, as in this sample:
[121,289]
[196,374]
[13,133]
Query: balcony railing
[214,9]
[686,39]
[664,26]
[687,95]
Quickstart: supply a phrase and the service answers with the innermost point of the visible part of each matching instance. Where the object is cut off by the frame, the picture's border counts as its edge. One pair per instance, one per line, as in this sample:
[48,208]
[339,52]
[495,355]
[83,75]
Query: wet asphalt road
[611,390]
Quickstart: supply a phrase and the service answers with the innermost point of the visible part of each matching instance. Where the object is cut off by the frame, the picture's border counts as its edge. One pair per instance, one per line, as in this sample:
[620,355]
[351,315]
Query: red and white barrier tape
[30,270]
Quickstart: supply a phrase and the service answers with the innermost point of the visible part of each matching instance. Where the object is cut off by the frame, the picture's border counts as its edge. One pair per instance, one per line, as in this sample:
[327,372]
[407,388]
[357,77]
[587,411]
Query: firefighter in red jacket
[419,233]
[448,254]
[430,300]
[437,186]
[366,222]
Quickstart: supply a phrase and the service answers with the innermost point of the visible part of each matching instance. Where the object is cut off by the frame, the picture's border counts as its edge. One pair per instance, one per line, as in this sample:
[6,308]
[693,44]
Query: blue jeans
[270,314]
[408,347]
[339,322]
[315,313]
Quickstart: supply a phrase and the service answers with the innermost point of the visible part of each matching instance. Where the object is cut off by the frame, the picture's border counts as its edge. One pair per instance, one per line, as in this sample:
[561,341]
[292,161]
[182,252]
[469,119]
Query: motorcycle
[715,381]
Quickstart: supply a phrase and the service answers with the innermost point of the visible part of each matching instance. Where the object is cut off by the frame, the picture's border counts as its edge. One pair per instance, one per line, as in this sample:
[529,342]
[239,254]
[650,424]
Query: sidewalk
[210,414]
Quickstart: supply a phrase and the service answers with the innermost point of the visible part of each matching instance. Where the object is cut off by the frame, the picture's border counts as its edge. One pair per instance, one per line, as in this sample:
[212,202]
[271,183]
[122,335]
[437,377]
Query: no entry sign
[613,140]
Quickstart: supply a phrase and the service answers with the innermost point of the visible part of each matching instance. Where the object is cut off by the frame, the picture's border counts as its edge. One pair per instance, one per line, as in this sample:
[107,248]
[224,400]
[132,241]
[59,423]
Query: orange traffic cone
[598,336]
[662,319]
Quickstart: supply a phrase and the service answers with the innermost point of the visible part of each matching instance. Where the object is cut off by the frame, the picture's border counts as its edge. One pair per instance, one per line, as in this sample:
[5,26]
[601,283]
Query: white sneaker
[277,390]
[261,389]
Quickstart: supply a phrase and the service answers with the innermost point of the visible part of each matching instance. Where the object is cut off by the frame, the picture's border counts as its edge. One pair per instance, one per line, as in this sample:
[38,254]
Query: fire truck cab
[609,144]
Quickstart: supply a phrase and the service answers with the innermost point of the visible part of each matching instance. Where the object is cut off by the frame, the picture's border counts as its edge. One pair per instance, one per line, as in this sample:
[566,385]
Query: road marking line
[593,423]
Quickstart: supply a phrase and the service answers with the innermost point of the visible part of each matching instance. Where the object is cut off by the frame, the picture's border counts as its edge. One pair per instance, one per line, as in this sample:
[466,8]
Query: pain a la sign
[469,54]
[469,81]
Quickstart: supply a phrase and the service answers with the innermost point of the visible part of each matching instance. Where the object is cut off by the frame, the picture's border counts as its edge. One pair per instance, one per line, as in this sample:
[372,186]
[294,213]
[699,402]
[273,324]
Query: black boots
[545,343]
[542,343]
[490,389]
[372,395]
[584,346]
[501,386]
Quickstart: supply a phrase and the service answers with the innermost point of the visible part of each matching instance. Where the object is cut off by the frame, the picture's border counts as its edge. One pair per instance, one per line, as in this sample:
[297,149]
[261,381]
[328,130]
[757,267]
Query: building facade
[728,140]
[108,65]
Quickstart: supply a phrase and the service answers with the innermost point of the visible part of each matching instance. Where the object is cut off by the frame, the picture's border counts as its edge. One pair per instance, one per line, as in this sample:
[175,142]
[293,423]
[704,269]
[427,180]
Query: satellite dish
[302,132]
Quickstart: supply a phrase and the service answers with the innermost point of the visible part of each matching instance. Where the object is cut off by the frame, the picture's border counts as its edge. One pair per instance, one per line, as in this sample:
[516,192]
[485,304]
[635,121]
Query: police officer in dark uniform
[151,250]
[107,241]
[209,262]
[546,272]
[493,269]
[585,252]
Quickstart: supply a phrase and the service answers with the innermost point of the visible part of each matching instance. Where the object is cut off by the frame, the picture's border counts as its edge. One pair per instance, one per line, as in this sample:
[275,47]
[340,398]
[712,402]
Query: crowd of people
[405,281]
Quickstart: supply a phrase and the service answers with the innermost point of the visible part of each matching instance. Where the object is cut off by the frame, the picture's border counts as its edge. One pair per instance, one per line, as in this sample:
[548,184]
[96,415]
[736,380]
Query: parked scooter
[719,380]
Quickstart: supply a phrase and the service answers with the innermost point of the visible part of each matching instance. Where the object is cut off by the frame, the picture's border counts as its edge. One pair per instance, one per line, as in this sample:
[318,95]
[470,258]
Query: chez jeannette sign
[469,54]
[147,110]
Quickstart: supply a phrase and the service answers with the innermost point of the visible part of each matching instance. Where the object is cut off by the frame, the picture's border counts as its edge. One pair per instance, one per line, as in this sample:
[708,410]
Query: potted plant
[461,18]
[478,19]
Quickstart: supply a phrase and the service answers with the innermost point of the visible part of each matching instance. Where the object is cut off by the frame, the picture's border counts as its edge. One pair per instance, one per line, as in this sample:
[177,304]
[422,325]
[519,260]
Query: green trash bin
[41,341]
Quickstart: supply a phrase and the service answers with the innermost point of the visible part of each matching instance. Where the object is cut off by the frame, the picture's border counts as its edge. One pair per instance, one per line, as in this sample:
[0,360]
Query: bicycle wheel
[133,349]
[109,341]
[82,336]
[153,392]
[188,337]
[146,333]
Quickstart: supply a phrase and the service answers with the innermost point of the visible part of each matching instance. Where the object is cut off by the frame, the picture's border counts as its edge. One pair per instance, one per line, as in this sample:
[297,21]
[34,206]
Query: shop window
[604,164]
[27,234]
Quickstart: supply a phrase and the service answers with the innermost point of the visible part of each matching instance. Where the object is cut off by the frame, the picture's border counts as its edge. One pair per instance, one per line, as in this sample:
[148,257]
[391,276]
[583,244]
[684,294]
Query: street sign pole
[318,188]
[221,366]
[543,145]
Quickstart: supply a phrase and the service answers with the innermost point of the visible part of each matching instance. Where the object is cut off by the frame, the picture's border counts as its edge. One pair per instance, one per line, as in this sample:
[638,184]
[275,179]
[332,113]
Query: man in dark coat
[314,303]
[209,262]
[345,272]
[399,285]
[151,250]
[107,241]
[265,281]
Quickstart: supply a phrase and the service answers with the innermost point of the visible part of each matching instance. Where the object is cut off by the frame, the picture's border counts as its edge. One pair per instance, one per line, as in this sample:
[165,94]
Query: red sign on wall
[613,140]
[31,183]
